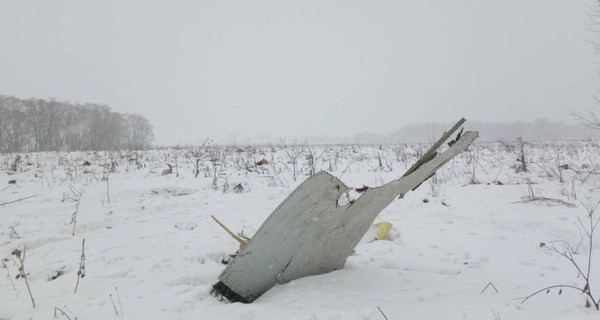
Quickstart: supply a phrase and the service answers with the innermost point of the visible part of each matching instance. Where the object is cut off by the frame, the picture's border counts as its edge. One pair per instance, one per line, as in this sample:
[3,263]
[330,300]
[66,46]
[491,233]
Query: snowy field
[465,245]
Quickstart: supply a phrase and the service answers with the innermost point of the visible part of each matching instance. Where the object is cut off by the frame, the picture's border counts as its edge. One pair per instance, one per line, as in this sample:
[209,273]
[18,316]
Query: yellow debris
[242,242]
[383,230]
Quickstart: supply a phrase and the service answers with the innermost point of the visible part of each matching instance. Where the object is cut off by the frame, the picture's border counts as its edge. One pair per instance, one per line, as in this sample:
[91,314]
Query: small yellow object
[242,242]
[383,230]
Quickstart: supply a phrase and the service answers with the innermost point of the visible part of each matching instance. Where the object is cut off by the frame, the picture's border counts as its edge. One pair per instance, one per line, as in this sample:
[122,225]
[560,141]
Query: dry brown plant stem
[81,271]
[21,264]
[567,251]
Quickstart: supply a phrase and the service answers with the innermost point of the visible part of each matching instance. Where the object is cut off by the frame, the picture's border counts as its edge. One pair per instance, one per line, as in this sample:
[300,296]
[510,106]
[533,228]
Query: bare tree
[140,131]
[591,119]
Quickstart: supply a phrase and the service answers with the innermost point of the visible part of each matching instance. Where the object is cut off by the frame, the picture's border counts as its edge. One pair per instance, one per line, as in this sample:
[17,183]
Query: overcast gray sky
[271,69]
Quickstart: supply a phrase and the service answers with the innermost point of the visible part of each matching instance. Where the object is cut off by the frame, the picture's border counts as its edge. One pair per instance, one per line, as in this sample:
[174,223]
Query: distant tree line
[28,125]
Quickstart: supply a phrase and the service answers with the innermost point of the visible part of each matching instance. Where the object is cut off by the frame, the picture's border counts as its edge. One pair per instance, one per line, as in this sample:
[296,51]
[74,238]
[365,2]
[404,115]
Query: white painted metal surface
[310,233]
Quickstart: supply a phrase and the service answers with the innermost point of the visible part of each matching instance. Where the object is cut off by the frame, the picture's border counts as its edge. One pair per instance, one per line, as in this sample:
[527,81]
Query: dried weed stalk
[568,251]
[81,271]
[20,255]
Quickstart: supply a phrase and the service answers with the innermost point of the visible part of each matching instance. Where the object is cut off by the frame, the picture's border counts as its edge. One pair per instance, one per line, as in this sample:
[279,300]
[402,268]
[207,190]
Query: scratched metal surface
[310,234]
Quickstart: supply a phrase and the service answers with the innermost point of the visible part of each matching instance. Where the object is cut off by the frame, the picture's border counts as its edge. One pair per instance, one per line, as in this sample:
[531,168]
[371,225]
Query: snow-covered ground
[153,252]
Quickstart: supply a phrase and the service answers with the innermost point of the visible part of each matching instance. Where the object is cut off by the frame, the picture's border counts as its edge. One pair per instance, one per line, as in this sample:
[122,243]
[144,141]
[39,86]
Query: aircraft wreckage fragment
[311,233]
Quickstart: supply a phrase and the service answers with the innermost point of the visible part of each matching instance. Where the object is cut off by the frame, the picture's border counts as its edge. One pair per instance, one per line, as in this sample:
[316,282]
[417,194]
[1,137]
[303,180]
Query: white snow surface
[153,251]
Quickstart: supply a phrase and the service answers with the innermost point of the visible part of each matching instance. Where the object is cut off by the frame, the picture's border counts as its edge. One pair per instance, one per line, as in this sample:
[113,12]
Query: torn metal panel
[310,233]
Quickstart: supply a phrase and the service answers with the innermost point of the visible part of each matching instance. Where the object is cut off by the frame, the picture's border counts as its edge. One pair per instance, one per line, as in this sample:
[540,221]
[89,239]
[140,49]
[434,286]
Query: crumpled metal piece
[310,233]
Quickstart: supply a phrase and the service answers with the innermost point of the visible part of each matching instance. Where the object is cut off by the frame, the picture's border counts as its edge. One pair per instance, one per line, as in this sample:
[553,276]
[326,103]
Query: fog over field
[262,70]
